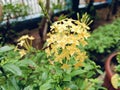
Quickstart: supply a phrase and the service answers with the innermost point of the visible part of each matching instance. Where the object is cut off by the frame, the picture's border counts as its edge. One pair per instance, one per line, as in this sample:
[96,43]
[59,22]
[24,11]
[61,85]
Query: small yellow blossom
[23,38]
[21,42]
[78,64]
[59,58]
[84,26]
[22,52]
[48,51]
[25,42]
[65,66]
[84,34]
[83,42]
[31,38]
[51,62]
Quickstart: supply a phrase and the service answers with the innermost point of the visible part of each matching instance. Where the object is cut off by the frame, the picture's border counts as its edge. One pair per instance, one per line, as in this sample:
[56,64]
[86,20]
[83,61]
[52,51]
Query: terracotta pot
[109,73]
[0,12]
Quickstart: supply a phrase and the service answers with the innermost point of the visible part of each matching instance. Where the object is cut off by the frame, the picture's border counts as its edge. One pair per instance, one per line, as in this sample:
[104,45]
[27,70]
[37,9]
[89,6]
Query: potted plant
[111,81]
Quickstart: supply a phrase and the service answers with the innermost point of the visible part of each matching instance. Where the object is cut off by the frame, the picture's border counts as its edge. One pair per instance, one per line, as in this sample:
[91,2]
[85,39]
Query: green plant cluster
[25,68]
[34,72]
[10,14]
[18,73]
[57,6]
[118,60]
[105,38]
[14,10]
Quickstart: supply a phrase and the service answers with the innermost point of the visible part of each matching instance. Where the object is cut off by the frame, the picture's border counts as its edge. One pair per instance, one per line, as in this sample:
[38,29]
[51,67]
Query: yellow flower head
[64,38]
[23,38]
[24,42]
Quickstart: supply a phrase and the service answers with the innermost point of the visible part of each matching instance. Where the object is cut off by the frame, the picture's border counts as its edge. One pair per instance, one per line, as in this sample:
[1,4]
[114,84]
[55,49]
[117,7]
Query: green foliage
[105,38]
[11,11]
[17,71]
[25,68]
[57,6]
[118,60]
[14,11]
[34,72]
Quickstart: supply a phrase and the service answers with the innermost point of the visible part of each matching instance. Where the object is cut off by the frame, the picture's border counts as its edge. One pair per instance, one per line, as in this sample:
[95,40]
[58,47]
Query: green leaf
[67,77]
[46,86]
[25,62]
[90,74]
[28,88]
[44,76]
[99,71]
[13,69]
[2,88]
[77,72]
[11,84]
[71,85]
[14,83]
[6,48]
[58,87]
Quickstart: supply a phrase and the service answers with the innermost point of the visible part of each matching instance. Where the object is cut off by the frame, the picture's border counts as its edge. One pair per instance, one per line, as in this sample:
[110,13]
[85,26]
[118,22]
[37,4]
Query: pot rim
[108,70]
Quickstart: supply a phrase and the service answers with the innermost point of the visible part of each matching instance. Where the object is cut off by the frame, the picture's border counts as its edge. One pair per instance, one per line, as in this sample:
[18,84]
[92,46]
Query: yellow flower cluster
[64,37]
[26,43]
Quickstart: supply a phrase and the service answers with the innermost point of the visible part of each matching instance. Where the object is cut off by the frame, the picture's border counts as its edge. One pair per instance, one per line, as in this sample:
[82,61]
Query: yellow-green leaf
[114,81]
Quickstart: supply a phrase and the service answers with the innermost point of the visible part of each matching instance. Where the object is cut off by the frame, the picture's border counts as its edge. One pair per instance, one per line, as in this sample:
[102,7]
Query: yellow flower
[22,52]
[25,42]
[78,64]
[63,40]
[84,26]
[83,42]
[61,44]
[21,42]
[48,51]
[65,54]
[84,34]
[51,62]
[59,58]
[23,38]
[65,66]
[81,56]
[31,38]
